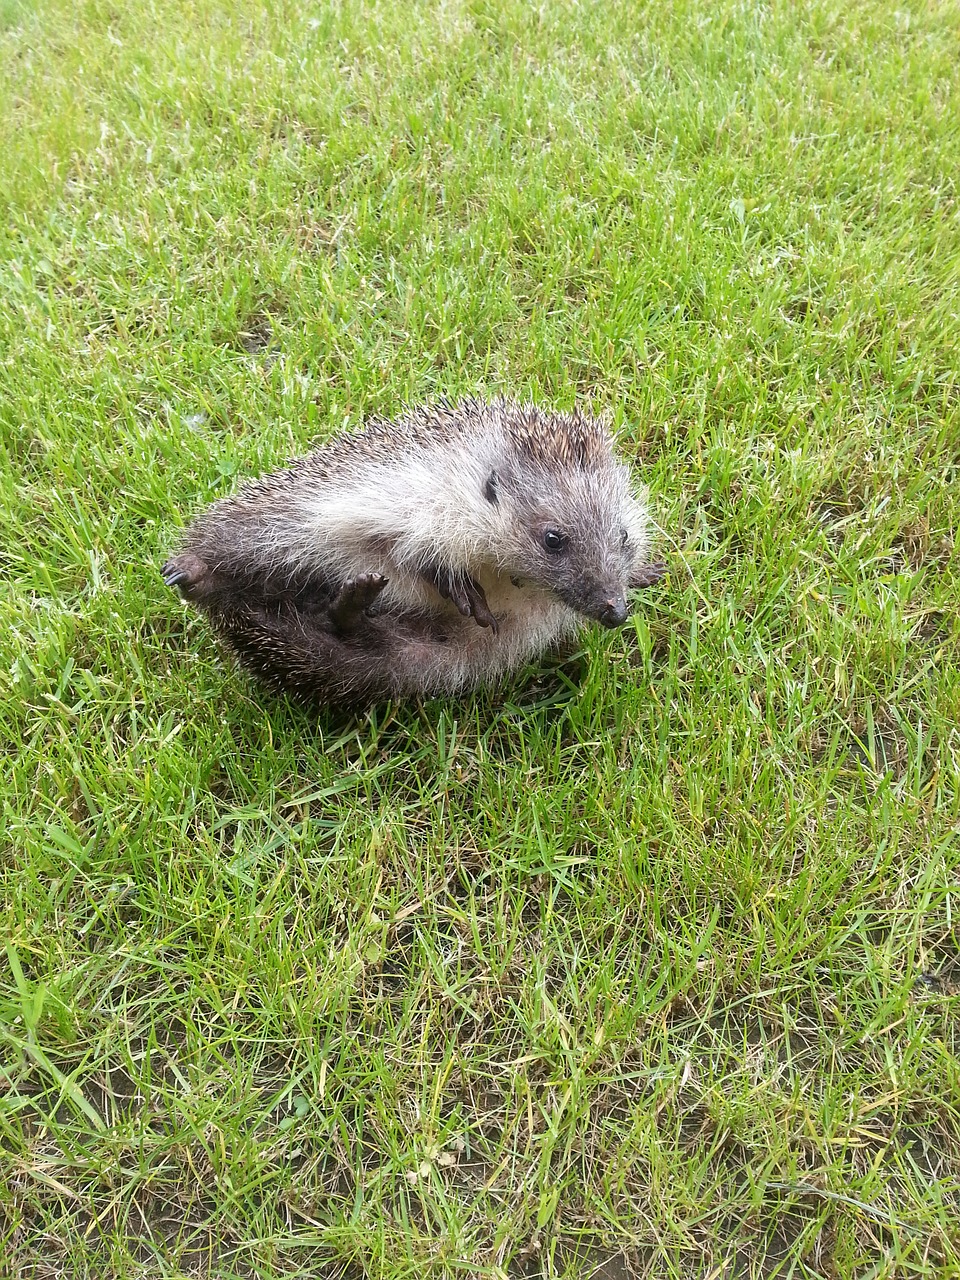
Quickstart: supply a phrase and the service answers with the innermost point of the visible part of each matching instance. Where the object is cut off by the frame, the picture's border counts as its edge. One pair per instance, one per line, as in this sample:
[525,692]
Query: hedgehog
[430,554]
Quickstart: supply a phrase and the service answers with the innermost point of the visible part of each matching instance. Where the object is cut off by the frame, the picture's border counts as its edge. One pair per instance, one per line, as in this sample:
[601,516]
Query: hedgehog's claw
[464,593]
[179,579]
[648,575]
[479,609]
[353,600]
[452,586]
[184,572]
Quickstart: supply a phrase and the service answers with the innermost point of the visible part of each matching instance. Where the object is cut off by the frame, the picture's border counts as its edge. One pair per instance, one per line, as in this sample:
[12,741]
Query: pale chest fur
[530,621]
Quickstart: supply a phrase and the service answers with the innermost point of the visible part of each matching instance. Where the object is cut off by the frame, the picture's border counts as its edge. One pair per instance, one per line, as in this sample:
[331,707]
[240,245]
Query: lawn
[647,965]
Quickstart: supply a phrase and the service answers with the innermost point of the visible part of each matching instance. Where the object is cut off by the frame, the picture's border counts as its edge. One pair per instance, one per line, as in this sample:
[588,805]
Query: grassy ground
[648,966]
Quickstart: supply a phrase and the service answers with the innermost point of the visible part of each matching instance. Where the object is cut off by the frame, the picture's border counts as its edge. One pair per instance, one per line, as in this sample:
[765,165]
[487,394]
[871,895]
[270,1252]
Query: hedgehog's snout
[603,599]
[606,603]
[613,611]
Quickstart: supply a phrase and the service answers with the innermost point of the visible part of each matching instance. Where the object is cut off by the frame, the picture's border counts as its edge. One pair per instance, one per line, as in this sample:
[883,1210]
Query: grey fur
[424,555]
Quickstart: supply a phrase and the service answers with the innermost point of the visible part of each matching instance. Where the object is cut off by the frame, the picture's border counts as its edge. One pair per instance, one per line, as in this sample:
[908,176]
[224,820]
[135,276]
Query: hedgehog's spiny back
[385,442]
[563,440]
[548,440]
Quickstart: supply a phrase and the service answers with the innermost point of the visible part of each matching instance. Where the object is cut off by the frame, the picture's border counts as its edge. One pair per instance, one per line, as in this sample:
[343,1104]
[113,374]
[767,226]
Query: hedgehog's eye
[623,537]
[490,488]
[555,541]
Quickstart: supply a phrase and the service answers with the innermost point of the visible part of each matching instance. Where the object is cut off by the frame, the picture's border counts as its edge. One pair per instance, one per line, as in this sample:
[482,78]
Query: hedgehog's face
[582,544]
[588,573]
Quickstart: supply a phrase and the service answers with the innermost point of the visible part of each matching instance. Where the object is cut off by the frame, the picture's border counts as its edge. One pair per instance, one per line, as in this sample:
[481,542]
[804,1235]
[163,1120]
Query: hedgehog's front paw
[647,575]
[188,573]
[353,600]
[465,594]
[479,609]
[450,584]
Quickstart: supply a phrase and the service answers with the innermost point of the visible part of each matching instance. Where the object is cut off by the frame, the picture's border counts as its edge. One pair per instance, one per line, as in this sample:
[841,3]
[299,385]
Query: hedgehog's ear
[490,488]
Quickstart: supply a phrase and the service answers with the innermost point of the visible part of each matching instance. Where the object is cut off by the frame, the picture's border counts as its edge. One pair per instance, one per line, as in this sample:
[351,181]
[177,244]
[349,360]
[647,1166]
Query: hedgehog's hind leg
[347,611]
[301,654]
[191,575]
[208,584]
[385,655]
[218,588]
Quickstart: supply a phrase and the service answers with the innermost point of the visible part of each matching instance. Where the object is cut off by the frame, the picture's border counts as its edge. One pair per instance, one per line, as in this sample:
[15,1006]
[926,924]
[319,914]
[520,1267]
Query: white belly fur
[529,622]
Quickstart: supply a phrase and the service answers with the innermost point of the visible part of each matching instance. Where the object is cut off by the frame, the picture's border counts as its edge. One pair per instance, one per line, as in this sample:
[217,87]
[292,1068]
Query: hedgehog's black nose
[614,611]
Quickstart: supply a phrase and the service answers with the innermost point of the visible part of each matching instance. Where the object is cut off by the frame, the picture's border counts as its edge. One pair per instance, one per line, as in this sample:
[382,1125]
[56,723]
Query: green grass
[646,967]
